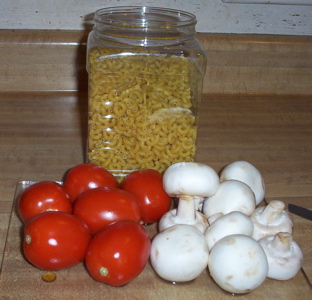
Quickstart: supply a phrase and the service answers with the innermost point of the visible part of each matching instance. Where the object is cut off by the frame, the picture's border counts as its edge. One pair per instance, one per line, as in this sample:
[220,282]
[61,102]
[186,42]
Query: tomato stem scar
[103,271]
[28,239]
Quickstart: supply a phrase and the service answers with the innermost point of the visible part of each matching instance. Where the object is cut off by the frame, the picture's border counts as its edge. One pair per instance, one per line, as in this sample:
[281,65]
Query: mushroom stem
[282,242]
[186,208]
[272,212]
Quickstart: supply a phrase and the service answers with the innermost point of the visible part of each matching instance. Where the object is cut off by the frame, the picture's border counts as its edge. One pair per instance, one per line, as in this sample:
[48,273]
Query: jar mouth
[144,17]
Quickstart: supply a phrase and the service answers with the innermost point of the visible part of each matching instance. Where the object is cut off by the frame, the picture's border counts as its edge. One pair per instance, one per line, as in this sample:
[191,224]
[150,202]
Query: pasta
[140,110]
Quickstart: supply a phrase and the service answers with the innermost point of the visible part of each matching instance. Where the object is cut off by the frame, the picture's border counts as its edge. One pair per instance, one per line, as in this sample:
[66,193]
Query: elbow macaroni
[139,110]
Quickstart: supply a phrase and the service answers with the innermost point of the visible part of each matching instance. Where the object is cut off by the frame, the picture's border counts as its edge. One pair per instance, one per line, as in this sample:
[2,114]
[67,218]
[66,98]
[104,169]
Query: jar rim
[144,17]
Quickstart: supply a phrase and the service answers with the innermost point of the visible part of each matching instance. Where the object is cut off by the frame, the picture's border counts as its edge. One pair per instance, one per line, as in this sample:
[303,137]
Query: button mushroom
[284,255]
[179,253]
[184,214]
[190,182]
[232,195]
[271,219]
[232,223]
[247,173]
[238,264]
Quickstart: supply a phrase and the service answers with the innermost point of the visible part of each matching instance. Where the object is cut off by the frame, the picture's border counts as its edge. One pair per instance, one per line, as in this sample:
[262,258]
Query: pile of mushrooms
[220,224]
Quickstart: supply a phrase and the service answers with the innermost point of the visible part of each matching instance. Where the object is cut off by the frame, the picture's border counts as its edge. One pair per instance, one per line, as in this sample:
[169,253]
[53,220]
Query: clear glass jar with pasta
[145,69]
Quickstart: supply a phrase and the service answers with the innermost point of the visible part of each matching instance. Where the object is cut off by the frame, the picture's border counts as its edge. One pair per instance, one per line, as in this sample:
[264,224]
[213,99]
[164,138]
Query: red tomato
[147,186]
[43,196]
[118,253]
[55,240]
[87,176]
[101,206]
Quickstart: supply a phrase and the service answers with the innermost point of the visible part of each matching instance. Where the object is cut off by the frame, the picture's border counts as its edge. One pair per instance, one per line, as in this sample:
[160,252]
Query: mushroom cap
[190,178]
[232,223]
[276,220]
[247,173]
[283,265]
[179,253]
[238,264]
[232,195]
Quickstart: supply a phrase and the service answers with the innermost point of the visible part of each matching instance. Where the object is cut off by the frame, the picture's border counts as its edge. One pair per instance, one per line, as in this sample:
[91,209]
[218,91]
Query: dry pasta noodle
[139,110]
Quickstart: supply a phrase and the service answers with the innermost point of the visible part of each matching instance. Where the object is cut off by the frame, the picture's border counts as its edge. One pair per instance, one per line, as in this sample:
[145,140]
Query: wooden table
[43,134]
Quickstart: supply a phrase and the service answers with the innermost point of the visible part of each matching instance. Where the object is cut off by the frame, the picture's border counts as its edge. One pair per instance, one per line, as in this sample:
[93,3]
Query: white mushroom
[238,264]
[271,219]
[214,217]
[284,255]
[232,223]
[190,182]
[184,214]
[179,253]
[191,179]
[247,173]
[232,195]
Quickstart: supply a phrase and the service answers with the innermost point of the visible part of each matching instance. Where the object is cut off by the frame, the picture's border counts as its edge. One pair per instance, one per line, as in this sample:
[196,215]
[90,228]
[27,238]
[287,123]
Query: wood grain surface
[36,60]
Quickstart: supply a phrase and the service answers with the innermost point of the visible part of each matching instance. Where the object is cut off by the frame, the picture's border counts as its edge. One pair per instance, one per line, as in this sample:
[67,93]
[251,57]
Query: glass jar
[145,69]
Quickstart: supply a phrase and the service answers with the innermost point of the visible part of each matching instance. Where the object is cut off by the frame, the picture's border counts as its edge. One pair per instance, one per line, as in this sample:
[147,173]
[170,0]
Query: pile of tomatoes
[93,218]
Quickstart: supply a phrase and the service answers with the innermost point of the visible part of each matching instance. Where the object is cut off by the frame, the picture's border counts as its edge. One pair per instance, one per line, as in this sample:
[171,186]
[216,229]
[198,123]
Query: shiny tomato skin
[42,196]
[104,205]
[87,176]
[147,186]
[118,253]
[55,240]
